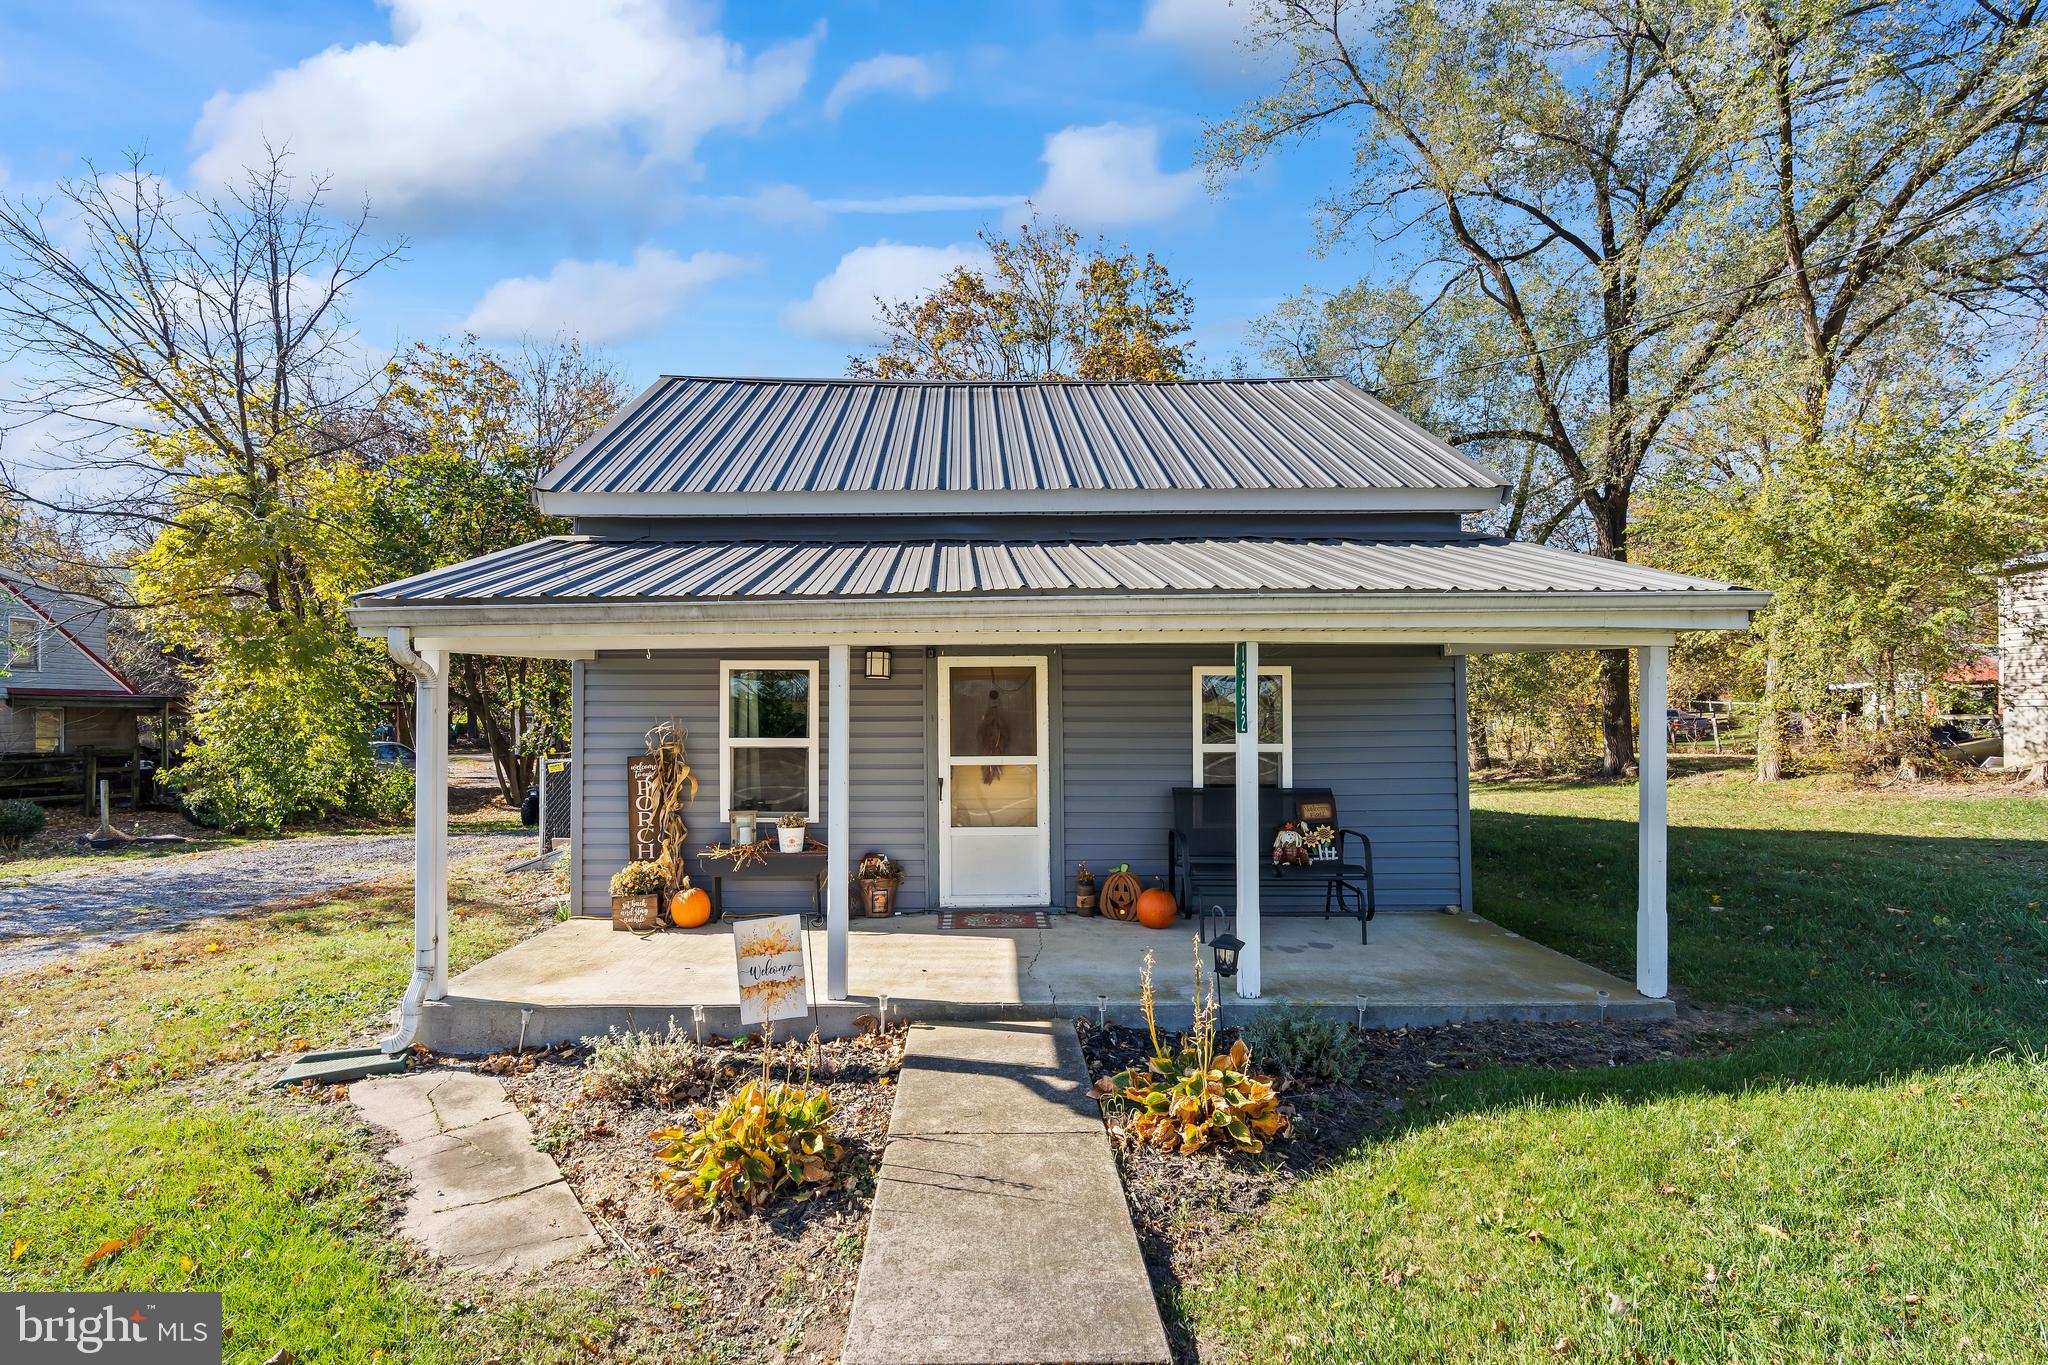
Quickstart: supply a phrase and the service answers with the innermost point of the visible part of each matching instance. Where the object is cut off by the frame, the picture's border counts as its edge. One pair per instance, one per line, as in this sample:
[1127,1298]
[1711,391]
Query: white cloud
[1209,33]
[1108,174]
[598,301]
[917,77]
[785,205]
[471,100]
[842,306]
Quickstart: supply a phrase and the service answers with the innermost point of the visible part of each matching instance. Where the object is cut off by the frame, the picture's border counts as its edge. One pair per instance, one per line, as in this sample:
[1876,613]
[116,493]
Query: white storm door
[994,802]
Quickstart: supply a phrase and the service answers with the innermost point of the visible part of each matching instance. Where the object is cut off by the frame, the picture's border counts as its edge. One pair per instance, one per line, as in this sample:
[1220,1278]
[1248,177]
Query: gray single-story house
[989,627]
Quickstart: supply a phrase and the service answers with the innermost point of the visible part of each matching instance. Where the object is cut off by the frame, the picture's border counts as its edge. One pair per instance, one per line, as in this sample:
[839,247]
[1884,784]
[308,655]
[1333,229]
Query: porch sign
[770,954]
[1244,723]
[645,837]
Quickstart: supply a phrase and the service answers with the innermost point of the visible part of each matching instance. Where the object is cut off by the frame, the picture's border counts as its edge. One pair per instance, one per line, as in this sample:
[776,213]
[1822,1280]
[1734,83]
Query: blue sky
[691,188]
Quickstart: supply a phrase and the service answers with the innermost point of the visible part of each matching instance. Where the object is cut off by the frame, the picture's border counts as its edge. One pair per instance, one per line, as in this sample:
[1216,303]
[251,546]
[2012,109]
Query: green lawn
[1865,1178]
[133,1111]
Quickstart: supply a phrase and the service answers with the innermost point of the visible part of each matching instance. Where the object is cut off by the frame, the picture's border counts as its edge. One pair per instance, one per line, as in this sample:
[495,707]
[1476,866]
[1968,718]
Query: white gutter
[429,956]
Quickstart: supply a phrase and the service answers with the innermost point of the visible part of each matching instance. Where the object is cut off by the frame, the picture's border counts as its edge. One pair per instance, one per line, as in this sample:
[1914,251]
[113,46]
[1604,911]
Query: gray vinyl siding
[621,697]
[1380,726]
[63,664]
[1377,726]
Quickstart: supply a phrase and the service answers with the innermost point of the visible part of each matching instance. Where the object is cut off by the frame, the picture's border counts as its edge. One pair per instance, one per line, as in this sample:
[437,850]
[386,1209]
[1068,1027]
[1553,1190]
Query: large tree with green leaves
[1879,541]
[1653,200]
[190,356]
[458,442]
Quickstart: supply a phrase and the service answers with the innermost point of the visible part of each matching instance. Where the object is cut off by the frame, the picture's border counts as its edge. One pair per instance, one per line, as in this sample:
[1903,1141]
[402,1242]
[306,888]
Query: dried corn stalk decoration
[674,786]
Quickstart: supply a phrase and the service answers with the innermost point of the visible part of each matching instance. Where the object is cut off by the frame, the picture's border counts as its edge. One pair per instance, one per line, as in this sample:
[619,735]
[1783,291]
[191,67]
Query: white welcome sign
[770,954]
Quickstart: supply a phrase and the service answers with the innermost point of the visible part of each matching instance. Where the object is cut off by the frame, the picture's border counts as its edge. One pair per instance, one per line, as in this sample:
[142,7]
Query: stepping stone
[999,1231]
[484,1198]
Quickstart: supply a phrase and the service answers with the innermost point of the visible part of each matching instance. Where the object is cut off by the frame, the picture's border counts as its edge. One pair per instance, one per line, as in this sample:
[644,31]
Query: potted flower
[879,875]
[789,833]
[636,896]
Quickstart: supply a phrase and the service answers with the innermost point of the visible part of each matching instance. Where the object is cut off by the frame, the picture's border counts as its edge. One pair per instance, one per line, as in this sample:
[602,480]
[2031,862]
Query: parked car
[391,754]
[1689,724]
[1965,744]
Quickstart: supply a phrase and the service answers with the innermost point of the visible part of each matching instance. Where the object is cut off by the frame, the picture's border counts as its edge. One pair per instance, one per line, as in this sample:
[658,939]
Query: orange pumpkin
[690,907]
[1156,909]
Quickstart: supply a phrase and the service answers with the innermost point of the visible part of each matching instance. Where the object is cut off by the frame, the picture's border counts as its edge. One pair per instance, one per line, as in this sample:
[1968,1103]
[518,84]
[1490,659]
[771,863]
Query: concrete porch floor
[582,978]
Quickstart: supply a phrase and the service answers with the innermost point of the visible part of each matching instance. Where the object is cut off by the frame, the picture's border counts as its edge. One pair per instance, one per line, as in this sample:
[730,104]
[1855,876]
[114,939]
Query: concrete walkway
[999,1231]
[483,1198]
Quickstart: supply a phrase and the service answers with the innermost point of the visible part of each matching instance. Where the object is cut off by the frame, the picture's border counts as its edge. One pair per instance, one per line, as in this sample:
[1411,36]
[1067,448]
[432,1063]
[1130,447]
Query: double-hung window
[768,738]
[1216,726]
[24,645]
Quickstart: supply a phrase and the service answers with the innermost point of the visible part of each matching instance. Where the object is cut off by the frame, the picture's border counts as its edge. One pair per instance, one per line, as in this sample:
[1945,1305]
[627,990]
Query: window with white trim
[24,644]
[768,737]
[1216,726]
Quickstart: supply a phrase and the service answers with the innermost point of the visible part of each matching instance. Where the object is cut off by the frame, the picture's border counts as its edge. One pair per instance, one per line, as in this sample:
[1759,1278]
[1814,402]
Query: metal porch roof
[581,568]
[708,436]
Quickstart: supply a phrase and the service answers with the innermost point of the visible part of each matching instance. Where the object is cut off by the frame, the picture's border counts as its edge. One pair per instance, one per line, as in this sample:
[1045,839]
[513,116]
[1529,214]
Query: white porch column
[1652,931]
[1247,779]
[838,817]
[430,821]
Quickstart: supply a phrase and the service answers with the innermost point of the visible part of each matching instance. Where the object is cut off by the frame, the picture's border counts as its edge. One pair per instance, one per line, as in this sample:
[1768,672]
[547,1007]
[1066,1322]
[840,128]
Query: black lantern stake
[1226,946]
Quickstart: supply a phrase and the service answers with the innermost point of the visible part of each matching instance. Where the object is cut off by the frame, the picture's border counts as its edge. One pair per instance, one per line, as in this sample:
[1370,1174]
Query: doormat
[994,919]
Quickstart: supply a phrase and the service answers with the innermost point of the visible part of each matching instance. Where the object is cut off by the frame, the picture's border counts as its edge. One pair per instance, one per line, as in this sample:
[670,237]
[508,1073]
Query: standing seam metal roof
[708,435]
[582,569]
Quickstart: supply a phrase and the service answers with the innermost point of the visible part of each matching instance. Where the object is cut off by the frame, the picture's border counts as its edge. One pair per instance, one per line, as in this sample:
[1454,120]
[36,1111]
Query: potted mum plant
[789,833]
[879,875]
[637,890]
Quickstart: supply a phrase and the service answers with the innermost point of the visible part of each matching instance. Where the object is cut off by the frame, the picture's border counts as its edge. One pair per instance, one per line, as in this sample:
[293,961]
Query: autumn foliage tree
[1046,306]
[460,439]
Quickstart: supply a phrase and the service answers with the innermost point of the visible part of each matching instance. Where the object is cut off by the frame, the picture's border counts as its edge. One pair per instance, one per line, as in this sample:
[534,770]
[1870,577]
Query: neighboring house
[60,694]
[989,627]
[2023,666]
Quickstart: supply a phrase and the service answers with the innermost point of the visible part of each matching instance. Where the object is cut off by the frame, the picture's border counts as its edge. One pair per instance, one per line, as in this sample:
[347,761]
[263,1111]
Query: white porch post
[1247,769]
[838,803]
[1652,930]
[430,821]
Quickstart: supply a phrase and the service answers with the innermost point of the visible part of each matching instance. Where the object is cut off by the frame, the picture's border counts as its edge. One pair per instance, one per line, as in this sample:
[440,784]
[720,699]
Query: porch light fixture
[1226,946]
[878,664]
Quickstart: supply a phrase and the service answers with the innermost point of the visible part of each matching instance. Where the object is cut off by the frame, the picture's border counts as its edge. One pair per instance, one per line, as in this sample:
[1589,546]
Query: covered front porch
[582,978]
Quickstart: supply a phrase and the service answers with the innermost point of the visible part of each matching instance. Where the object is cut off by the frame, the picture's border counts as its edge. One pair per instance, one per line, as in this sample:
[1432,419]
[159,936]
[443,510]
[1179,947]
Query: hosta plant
[1193,1098]
[767,1141]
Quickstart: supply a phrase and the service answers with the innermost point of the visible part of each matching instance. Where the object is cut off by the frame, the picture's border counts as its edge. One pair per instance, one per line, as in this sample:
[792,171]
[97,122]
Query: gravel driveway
[67,912]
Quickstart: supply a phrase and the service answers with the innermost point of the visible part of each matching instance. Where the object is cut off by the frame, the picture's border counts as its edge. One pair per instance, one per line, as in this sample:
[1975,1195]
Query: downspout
[426,948]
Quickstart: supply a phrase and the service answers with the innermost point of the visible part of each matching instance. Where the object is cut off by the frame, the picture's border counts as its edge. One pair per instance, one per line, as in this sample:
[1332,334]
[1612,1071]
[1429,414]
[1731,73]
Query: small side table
[810,865]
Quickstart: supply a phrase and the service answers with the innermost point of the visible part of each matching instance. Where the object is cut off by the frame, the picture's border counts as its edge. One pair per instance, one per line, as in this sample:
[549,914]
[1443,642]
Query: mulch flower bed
[777,1284]
[1182,1204]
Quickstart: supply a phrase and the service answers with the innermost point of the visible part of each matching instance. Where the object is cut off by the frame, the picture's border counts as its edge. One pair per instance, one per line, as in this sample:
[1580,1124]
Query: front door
[994,816]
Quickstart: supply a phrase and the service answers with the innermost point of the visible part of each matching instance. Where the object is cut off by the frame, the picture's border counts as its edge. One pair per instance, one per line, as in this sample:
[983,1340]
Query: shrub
[1303,1045]
[765,1142]
[647,1068]
[1906,752]
[1194,1098]
[20,820]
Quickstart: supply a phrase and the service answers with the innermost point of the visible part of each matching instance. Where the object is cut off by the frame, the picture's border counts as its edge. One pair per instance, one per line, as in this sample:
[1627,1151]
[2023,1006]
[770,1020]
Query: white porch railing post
[838,816]
[1652,929]
[430,820]
[1247,779]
